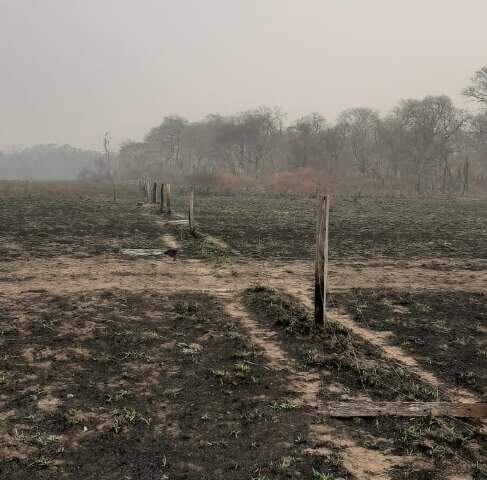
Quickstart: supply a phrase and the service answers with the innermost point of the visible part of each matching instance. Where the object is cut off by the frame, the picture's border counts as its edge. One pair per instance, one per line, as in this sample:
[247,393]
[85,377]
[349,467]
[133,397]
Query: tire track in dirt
[362,463]
[380,340]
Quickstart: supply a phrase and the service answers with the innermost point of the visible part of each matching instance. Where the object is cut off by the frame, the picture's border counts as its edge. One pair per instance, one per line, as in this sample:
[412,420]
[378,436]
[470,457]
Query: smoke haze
[72,70]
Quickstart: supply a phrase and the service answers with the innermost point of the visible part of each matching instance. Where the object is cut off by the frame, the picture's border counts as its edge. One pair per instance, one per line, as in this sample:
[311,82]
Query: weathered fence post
[161,198]
[147,191]
[168,198]
[321,261]
[154,192]
[139,185]
[191,212]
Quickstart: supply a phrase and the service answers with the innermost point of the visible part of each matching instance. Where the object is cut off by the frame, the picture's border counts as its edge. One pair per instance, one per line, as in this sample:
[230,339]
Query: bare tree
[429,126]
[362,126]
[333,140]
[305,139]
[247,140]
[111,169]
[167,141]
[478,89]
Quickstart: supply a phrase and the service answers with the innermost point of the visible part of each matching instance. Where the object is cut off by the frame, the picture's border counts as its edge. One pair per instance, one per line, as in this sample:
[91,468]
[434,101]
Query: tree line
[427,142]
[50,162]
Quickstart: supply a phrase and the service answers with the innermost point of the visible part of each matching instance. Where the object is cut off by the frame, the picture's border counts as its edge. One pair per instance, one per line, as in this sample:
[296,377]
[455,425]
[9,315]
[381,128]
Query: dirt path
[105,271]
[65,274]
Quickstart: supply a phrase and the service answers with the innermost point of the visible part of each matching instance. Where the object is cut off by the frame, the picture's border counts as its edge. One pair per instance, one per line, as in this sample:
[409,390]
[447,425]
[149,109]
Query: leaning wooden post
[191,212]
[161,198]
[168,198]
[321,261]
[154,192]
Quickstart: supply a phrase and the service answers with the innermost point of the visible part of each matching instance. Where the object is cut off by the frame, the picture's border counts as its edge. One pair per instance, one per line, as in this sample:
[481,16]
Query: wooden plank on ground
[404,409]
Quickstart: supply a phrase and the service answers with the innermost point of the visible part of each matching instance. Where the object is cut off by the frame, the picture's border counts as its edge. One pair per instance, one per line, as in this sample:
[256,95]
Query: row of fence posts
[151,189]
[157,193]
[322,226]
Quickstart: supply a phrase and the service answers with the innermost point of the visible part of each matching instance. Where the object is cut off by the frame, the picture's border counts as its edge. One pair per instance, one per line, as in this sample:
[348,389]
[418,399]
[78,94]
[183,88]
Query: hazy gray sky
[72,69]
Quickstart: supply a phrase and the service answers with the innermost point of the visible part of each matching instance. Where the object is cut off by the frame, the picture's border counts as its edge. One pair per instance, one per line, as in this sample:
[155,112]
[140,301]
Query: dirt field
[120,362]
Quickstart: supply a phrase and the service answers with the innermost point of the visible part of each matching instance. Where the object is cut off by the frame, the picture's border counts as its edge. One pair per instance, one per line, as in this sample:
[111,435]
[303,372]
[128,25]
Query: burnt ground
[264,226]
[119,385]
[445,331]
[47,224]
[119,367]
[355,369]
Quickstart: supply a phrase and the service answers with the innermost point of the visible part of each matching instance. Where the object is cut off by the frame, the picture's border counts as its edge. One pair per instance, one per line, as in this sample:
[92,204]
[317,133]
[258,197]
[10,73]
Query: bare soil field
[120,362]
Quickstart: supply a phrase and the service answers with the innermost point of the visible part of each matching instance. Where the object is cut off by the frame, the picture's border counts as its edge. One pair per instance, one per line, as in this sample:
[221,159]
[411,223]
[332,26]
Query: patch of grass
[20,436]
[242,367]
[119,395]
[428,393]
[218,373]
[260,476]
[285,463]
[125,417]
[247,355]
[322,476]
[132,355]
[285,405]
[280,309]
[40,462]
[186,308]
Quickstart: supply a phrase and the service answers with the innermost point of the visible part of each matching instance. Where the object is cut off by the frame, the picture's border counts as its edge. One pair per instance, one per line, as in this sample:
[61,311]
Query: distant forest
[422,145]
[49,162]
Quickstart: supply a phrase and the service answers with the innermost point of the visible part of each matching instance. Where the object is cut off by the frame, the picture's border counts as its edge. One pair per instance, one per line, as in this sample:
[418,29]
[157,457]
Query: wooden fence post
[168,198]
[321,261]
[191,212]
[147,191]
[161,198]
